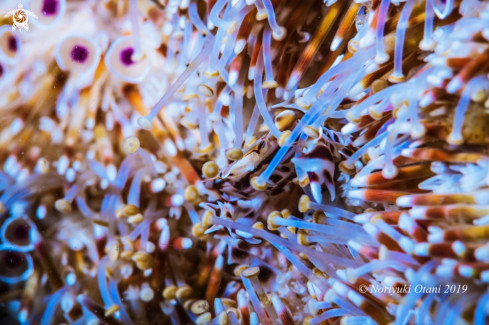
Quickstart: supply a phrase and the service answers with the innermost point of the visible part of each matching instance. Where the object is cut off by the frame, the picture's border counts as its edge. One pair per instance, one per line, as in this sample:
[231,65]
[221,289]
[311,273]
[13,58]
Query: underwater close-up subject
[244,162]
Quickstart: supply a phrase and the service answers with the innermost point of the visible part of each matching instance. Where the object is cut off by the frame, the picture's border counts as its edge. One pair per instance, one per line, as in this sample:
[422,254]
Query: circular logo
[20,18]
[363,288]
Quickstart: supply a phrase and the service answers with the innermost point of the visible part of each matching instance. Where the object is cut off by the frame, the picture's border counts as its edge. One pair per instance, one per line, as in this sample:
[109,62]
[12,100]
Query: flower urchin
[245,162]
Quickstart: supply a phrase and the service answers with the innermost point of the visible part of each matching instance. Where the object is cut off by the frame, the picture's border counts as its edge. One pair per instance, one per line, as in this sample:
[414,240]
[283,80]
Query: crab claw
[319,165]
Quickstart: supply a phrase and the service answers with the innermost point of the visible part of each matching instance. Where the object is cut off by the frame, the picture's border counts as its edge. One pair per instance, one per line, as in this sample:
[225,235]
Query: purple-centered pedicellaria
[12,259]
[79,54]
[50,7]
[12,43]
[21,231]
[126,56]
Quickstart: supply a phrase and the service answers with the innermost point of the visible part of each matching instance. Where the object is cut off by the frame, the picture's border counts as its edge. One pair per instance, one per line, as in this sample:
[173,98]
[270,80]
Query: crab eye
[121,62]
[77,54]
[10,46]
[49,12]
